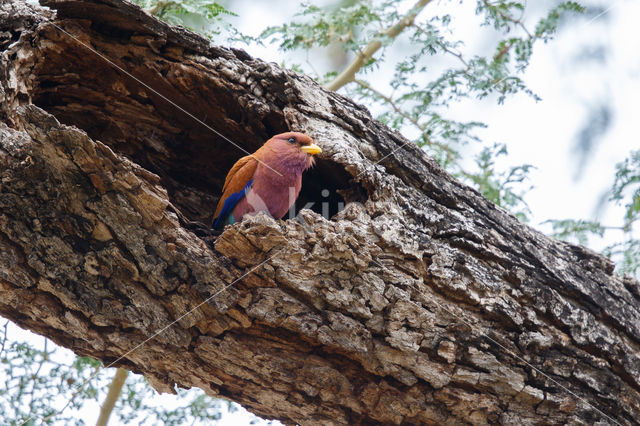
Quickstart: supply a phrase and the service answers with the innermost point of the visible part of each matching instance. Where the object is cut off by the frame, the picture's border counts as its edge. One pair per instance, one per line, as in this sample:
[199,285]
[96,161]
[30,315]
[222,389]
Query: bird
[268,180]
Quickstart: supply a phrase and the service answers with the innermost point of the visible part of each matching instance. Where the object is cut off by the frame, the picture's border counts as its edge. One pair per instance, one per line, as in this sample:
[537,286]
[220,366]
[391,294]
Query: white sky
[539,133]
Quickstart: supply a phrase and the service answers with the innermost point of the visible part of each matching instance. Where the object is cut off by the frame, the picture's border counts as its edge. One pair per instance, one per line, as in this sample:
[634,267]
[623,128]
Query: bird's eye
[291,140]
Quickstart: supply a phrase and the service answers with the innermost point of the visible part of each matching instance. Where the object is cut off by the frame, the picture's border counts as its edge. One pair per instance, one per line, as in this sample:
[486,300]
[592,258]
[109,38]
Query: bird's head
[294,147]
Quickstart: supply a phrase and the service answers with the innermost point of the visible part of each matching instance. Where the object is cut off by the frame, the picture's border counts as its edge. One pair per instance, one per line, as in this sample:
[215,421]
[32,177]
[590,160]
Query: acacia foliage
[430,72]
[41,382]
[625,193]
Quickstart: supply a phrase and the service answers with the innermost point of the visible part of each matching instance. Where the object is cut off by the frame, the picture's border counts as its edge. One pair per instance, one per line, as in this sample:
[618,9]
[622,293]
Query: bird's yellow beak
[312,149]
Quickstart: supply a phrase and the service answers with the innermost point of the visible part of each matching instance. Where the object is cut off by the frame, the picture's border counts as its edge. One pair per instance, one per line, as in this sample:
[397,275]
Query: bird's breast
[275,197]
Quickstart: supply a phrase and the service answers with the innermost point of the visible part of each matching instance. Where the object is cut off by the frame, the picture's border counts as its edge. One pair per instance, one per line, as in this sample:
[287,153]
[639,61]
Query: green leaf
[578,230]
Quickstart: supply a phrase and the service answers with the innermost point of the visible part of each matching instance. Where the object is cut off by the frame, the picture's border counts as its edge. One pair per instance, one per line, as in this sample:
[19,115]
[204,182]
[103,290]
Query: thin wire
[498,343]
[614,4]
[162,330]
[386,156]
[392,152]
[515,355]
[529,364]
[162,96]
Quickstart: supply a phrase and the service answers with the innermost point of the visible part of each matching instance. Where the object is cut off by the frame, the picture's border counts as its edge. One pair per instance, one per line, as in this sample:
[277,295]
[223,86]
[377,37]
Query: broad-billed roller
[268,180]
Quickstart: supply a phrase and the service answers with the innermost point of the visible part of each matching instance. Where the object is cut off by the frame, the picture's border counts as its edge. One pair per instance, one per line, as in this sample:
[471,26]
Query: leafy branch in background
[36,383]
[416,99]
[193,407]
[624,192]
[580,229]
[505,187]
[627,187]
[365,56]
[207,17]
[33,380]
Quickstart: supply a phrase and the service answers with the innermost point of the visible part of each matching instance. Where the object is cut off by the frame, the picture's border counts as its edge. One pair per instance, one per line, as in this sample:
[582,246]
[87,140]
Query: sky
[593,61]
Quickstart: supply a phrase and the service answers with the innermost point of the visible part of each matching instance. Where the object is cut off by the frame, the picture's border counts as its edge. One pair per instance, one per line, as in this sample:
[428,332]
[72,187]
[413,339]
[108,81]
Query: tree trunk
[420,302]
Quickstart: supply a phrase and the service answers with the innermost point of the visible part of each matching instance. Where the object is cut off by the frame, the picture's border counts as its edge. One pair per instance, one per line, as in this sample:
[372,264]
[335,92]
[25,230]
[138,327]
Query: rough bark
[420,302]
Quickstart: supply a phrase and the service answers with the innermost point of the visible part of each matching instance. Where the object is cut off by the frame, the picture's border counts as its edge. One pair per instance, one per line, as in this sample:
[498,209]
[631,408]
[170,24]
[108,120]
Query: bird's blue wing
[231,201]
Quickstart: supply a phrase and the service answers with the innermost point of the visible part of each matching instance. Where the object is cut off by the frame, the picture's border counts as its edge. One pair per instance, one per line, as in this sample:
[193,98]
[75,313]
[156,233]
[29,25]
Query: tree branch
[428,141]
[115,389]
[349,73]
